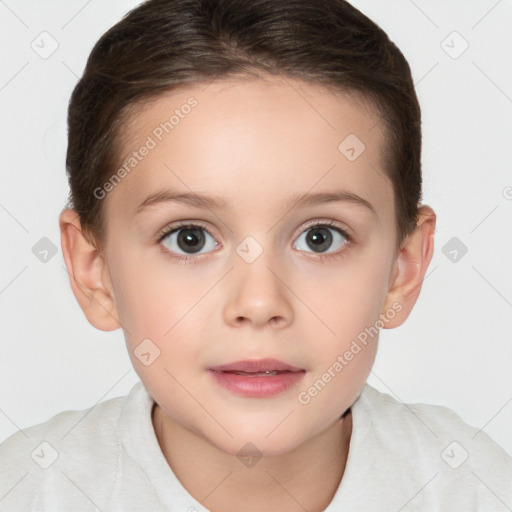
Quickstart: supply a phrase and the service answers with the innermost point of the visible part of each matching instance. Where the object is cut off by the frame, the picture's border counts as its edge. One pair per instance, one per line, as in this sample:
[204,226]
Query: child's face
[257,146]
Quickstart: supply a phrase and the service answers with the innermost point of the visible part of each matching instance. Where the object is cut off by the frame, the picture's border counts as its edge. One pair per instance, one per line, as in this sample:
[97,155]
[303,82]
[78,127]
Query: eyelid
[328,256]
[172,227]
[331,224]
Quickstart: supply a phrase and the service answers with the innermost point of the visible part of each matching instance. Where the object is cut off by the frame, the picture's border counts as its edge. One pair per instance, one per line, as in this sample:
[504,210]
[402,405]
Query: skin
[257,143]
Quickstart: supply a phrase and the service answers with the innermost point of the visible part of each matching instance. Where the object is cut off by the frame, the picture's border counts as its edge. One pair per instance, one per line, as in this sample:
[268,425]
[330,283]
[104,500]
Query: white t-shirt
[402,457]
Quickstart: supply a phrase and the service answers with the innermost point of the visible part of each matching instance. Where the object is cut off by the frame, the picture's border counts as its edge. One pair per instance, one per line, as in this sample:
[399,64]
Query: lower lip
[257,387]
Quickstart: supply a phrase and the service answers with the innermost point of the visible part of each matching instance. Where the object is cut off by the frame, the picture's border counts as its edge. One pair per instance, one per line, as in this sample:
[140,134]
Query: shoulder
[76,427]
[63,448]
[430,446]
[418,419]
[424,423]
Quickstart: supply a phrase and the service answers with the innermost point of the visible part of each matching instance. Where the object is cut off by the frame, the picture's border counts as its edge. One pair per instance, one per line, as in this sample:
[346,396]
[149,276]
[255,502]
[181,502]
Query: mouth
[256,366]
[256,374]
[257,378]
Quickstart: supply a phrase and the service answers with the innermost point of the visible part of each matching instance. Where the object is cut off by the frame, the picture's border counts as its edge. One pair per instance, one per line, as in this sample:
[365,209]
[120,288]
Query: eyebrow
[219,203]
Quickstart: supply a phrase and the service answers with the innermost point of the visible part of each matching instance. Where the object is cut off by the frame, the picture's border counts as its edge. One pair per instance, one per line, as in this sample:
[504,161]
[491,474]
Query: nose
[258,295]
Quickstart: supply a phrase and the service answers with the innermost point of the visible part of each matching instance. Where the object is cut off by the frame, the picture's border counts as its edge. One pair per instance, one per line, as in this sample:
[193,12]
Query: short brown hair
[162,45]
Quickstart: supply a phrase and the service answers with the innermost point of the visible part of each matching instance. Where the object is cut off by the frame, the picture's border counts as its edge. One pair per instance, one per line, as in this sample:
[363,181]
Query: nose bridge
[258,293]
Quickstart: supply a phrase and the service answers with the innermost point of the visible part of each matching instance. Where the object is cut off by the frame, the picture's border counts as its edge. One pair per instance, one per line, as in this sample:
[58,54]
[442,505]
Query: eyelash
[188,259]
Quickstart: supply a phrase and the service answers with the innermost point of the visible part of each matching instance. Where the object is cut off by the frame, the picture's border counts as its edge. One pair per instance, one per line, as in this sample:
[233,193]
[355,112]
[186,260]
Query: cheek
[160,331]
[164,309]
[350,297]
[145,292]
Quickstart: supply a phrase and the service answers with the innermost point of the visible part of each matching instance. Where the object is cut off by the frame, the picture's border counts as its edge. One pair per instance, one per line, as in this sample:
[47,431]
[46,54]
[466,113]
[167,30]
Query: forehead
[252,142]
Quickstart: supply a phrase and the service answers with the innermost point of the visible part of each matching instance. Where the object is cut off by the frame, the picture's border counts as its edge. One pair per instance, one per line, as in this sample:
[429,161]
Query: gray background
[455,349]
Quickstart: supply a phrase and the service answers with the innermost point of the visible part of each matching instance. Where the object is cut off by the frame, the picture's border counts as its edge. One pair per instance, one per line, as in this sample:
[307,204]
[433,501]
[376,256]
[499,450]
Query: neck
[305,478]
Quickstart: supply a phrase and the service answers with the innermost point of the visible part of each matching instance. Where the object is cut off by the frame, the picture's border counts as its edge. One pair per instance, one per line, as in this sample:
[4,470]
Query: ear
[88,274]
[410,267]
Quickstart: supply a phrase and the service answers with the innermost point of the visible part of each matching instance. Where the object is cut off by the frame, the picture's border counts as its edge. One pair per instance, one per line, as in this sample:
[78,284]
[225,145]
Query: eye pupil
[191,239]
[320,239]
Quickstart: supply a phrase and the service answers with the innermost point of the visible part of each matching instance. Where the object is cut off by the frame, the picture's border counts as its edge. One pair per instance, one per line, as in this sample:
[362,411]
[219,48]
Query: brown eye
[320,237]
[189,239]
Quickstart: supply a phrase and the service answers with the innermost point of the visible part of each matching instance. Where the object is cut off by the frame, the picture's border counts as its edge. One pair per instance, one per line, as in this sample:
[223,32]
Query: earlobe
[87,274]
[410,267]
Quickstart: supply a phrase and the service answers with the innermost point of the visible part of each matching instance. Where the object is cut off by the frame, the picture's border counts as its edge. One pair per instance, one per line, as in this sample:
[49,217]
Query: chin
[254,444]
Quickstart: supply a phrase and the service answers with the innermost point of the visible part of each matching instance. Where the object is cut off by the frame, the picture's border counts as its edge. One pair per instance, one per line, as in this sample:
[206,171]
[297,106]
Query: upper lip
[256,365]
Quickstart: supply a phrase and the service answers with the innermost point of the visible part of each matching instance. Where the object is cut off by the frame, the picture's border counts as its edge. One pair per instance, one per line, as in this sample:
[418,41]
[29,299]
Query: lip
[256,365]
[257,386]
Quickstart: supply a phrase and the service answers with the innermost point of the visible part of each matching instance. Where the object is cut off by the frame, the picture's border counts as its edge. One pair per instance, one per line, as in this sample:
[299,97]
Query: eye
[188,239]
[185,241]
[322,235]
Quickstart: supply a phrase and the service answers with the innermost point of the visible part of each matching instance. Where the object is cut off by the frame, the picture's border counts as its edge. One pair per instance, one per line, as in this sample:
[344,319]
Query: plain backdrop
[456,347]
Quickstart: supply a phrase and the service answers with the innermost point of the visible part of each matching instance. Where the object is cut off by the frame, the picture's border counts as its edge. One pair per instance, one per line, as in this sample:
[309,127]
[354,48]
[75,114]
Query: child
[283,138]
